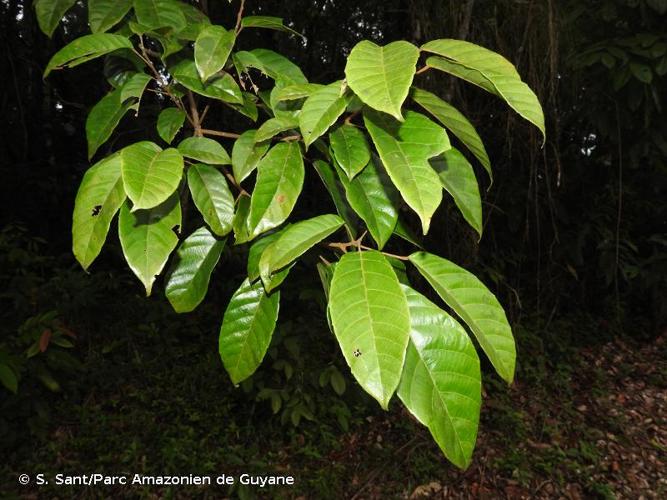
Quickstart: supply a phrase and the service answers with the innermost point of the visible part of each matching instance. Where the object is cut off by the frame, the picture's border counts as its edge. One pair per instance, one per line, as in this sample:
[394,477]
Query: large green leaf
[405,149]
[212,48]
[246,154]
[294,241]
[320,111]
[205,150]
[279,182]
[212,197]
[247,328]
[350,149]
[337,192]
[488,70]
[154,14]
[371,322]
[476,305]
[148,237]
[381,76]
[190,272]
[271,64]
[169,122]
[223,88]
[455,122]
[104,118]
[105,14]
[372,196]
[50,12]
[150,175]
[85,48]
[441,382]
[268,22]
[100,195]
[274,126]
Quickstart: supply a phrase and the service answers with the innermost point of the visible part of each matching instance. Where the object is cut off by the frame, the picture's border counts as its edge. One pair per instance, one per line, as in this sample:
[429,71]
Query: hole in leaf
[96,210]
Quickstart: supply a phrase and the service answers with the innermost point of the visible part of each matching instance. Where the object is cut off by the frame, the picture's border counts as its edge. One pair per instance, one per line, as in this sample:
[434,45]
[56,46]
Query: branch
[239,17]
[220,133]
[194,113]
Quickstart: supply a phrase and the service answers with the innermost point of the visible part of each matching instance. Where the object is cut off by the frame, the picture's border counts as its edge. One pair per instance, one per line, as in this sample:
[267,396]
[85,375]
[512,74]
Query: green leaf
[372,196]
[205,150]
[274,126]
[294,241]
[103,119]
[455,122]
[154,14]
[240,221]
[105,14]
[279,182]
[212,49]
[293,92]
[441,382]
[100,195]
[150,175]
[190,272]
[320,111]
[148,237]
[268,22]
[86,48]
[337,193]
[169,122]
[223,88]
[381,76]
[350,149]
[476,305]
[133,89]
[370,318]
[212,197]
[247,328]
[271,64]
[8,378]
[50,12]
[458,179]
[246,154]
[488,70]
[405,149]
[255,254]
[195,20]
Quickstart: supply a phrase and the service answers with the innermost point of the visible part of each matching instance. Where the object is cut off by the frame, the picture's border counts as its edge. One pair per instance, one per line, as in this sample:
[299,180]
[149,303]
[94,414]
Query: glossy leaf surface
[205,150]
[86,48]
[212,48]
[246,154]
[212,197]
[350,148]
[320,111]
[169,122]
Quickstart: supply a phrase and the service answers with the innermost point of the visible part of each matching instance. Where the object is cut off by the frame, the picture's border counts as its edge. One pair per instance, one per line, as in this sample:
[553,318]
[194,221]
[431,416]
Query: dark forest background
[574,246]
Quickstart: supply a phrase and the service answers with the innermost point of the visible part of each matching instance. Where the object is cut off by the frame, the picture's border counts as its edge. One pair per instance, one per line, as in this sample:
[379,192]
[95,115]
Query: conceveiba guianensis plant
[374,138]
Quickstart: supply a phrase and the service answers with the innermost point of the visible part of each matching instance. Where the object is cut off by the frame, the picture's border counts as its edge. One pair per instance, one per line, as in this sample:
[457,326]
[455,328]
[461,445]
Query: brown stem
[194,114]
[289,138]
[144,56]
[220,133]
[239,17]
[422,70]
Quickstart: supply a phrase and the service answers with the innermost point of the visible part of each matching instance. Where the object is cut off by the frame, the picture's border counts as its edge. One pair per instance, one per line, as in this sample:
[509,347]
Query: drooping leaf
[100,195]
[154,14]
[190,272]
[268,22]
[148,237]
[105,14]
[405,149]
[279,181]
[320,111]
[476,306]
[169,122]
[205,150]
[271,64]
[274,126]
[223,88]
[488,70]
[441,381]
[212,48]
[247,328]
[370,318]
[455,122]
[458,179]
[246,154]
[337,192]
[103,119]
[150,175]
[381,76]
[86,48]
[350,149]
[212,197]
[50,12]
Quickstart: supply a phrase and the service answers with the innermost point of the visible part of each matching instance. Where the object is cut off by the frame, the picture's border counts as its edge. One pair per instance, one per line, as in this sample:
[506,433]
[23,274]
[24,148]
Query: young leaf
[458,178]
[441,382]
[212,197]
[100,195]
[105,14]
[212,48]
[246,154]
[190,272]
[475,305]
[247,328]
[104,118]
[86,48]
[147,238]
[405,149]
[320,111]
[274,126]
[169,122]
[455,122]
[381,76]
[154,14]
[50,12]
[370,318]
[205,150]
[279,181]
[268,22]
[223,88]
[150,175]
[350,149]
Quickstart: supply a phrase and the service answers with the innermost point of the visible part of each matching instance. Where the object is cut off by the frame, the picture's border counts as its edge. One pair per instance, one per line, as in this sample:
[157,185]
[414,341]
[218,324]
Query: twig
[422,70]
[220,133]
[194,113]
[239,18]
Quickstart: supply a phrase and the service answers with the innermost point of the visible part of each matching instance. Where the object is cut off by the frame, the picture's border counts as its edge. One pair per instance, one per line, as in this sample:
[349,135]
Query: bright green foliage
[366,141]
